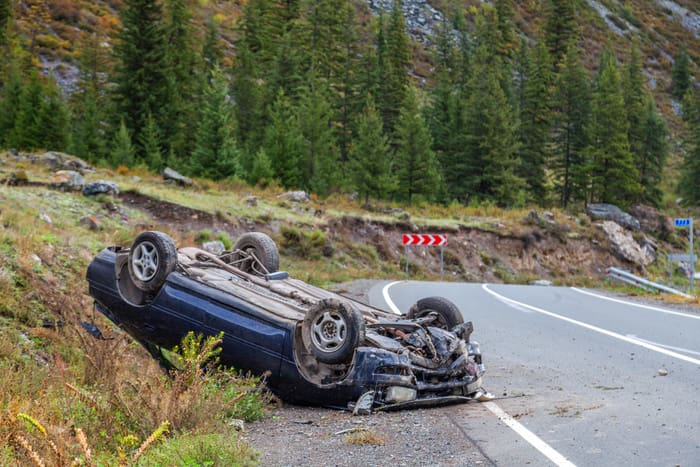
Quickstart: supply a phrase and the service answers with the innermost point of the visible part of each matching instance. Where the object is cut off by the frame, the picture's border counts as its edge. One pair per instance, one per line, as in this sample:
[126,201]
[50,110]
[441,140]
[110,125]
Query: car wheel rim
[329,331]
[144,261]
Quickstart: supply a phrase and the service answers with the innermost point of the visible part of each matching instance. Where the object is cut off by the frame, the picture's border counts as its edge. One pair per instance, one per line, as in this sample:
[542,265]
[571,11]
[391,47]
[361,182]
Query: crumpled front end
[412,365]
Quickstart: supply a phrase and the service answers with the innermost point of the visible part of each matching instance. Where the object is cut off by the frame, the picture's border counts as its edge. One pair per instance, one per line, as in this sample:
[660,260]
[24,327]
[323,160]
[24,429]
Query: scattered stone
[215,247]
[100,186]
[663,372]
[45,217]
[60,161]
[625,246]
[251,201]
[543,282]
[237,424]
[612,213]
[67,180]
[36,259]
[90,222]
[398,213]
[170,175]
[652,221]
[18,178]
[135,179]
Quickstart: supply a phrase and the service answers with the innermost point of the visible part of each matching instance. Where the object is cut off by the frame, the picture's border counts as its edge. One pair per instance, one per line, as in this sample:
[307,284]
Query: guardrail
[629,278]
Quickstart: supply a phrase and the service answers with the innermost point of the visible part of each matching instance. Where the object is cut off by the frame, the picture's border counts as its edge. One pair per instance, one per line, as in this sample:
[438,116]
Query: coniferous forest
[322,96]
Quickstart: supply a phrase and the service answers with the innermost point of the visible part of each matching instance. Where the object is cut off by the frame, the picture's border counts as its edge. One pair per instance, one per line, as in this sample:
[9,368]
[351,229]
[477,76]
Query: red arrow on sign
[425,239]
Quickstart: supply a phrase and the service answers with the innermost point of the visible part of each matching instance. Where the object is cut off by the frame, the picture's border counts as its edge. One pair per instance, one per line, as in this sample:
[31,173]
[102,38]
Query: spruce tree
[150,142]
[10,93]
[320,160]
[535,123]
[680,74]
[416,164]
[54,120]
[122,149]
[688,185]
[570,138]
[614,177]
[654,151]
[141,72]
[560,28]
[261,172]
[370,159]
[216,155]
[635,94]
[284,143]
[5,18]
[27,132]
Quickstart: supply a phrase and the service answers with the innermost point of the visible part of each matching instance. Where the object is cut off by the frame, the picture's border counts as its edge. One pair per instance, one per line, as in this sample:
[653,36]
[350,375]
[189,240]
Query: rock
[612,213]
[67,180]
[652,221]
[215,247]
[625,246]
[18,178]
[100,186]
[296,196]
[663,372]
[90,222]
[173,176]
[542,282]
[251,201]
[45,217]
[237,424]
[60,161]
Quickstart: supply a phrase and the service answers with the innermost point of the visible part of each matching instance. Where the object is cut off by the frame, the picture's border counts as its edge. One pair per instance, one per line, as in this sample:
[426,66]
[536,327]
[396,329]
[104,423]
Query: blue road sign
[682,222]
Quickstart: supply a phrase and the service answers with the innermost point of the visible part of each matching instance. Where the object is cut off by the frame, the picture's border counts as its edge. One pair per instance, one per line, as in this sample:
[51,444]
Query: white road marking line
[509,421]
[385,294]
[615,335]
[670,347]
[534,440]
[638,305]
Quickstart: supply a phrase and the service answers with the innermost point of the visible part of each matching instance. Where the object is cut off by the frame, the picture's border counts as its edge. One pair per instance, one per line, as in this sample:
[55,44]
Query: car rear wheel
[254,249]
[152,257]
[333,329]
[448,315]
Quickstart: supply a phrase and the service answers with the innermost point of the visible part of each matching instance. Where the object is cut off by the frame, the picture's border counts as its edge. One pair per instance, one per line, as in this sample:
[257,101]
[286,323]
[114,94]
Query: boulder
[296,196]
[170,175]
[60,161]
[67,180]
[611,212]
[100,186]
[651,220]
[215,247]
[626,247]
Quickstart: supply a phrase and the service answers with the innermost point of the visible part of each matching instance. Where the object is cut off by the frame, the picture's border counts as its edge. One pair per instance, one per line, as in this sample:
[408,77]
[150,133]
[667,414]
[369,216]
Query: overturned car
[317,347]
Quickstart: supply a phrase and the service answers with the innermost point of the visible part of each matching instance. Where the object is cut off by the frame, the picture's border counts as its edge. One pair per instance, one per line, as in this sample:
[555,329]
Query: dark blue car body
[261,336]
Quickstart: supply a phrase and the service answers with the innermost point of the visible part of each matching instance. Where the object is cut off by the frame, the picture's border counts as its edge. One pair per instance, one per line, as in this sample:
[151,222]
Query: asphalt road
[579,376]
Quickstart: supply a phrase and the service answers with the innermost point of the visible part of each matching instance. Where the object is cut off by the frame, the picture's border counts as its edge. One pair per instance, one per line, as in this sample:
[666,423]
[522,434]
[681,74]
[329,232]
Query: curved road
[578,375]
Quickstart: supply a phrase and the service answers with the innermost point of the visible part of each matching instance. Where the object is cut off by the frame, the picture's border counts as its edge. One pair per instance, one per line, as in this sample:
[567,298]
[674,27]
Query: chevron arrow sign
[425,239]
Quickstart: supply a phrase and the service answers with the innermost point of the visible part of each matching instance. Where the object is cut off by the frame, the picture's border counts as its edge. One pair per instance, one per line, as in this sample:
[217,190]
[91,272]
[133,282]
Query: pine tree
[370,159]
[5,19]
[614,177]
[10,94]
[262,172]
[572,102]
[150,142]
[394,63]
[250,97]
[284,143]
[320,160]
[122,148]
[688,185]
[416,164]
[680,74]
[651,159]
[54,120]
[560,28]
[216,155]
[27,130]
[141,72]
[635,95]
[535,122]
[212,51]
[508,40]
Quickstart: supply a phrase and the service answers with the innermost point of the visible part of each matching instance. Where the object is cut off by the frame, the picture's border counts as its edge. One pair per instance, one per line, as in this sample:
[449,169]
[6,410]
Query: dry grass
[364,437]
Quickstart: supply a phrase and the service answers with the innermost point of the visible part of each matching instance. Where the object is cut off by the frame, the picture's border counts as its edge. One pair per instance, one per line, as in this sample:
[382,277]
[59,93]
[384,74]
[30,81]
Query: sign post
[426,239]
[686,222]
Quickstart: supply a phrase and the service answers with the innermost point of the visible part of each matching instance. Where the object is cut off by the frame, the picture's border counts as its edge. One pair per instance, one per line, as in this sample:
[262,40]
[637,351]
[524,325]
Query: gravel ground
[307,436]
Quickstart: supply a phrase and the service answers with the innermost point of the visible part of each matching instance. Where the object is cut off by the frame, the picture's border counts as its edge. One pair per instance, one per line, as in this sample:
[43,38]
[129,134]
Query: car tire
[260,245]
[449,315]
[152,257]
[333,329]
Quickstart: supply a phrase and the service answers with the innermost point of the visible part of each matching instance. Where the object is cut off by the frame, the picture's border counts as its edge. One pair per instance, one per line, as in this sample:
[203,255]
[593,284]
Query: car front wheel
[333,329]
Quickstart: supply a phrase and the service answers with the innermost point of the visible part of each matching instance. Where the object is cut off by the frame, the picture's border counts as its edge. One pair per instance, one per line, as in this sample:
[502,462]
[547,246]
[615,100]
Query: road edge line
[535,441]
[638,305]
[387,299]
